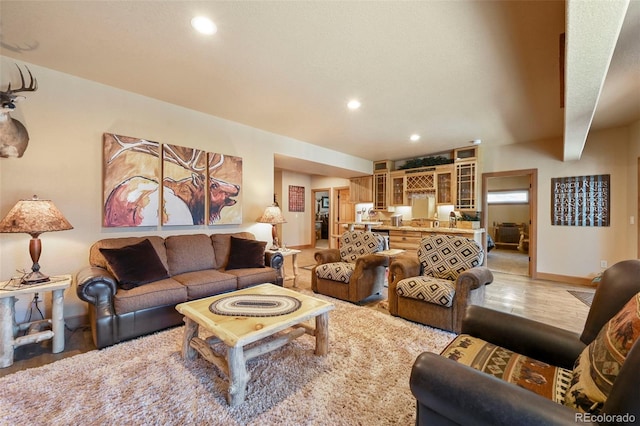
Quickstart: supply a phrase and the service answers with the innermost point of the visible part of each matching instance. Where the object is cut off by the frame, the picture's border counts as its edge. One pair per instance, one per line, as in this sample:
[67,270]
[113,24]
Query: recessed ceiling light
[414,137]
[204,25]
[353,104]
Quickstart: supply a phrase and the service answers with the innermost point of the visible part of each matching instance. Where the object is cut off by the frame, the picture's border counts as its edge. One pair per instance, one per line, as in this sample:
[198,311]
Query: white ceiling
[451,71]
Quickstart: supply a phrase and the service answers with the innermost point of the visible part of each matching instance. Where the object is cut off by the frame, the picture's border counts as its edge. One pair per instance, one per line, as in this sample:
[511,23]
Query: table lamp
[273,216]
[34,217]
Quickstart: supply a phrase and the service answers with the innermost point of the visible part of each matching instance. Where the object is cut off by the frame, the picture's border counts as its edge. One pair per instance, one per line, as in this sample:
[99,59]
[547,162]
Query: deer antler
[190,164]
[141,145]
[218,164]
[33,85]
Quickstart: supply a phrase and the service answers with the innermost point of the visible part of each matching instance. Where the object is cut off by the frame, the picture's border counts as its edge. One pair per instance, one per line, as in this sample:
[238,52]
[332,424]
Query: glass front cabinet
[380,181]
[466,185]
[444,186]
[398,189]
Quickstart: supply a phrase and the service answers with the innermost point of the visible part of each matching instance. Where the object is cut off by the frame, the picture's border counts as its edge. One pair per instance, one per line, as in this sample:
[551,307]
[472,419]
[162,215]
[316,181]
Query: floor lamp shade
[273,216]
[33,217]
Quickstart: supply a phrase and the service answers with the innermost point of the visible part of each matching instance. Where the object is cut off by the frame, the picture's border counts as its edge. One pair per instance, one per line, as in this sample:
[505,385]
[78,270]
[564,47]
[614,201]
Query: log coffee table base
[237,333]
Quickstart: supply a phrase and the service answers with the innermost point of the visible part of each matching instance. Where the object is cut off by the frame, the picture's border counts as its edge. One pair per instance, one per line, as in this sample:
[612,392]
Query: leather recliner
[450,393]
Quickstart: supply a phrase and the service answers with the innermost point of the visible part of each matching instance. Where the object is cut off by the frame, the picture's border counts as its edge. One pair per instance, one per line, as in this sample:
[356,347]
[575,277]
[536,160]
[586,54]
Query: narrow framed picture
[296,198]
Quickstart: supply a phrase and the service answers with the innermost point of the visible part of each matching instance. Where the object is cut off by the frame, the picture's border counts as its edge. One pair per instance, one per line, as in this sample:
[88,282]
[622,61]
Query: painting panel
[183,185]
[296,198]
[131,176]
[225,183]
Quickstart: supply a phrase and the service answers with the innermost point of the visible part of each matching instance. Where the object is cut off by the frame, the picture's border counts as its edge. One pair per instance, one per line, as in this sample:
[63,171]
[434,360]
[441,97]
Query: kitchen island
[409,237]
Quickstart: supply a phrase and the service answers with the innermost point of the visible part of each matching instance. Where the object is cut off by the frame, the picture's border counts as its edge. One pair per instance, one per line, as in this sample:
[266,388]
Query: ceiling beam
[592,32]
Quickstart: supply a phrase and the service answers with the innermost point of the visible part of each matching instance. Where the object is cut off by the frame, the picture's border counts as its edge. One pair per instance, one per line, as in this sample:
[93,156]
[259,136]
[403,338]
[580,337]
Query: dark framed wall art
[581,200]
[296,198]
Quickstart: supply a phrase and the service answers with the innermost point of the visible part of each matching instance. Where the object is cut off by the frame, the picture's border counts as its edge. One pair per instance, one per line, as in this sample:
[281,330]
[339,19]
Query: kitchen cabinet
[361,189]
[421,181]
[380,199]
[454,183]
[409,239]
[381,170]
[444,185]
[397,188]
[470,153]
[466,185]
[405,240]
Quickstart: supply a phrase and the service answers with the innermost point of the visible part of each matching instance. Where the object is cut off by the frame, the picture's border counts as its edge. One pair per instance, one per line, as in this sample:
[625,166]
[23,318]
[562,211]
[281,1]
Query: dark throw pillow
[244,253]
[135,265]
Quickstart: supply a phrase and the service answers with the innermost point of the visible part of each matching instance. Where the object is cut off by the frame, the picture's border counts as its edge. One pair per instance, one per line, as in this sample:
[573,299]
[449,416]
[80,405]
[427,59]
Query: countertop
[438,230]
[363,223]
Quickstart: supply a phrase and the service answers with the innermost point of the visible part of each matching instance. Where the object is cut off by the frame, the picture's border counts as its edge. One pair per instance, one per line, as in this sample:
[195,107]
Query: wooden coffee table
[236,332]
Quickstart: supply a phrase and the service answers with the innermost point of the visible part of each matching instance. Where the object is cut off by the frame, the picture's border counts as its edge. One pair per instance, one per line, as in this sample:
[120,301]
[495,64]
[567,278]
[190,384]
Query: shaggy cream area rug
[364,380]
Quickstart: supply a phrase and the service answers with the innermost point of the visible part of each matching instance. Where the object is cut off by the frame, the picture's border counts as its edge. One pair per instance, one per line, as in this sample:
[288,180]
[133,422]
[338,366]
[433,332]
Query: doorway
[342,212]
[510,220]
[321,208]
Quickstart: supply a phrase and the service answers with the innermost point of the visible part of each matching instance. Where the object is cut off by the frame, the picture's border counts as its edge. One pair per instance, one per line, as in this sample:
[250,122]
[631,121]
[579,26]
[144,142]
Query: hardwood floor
[544,301]
[508,261]
[513,292]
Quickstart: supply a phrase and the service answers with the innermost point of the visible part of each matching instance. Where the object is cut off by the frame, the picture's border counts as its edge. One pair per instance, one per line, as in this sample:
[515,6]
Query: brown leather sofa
[451,393]
[196,267]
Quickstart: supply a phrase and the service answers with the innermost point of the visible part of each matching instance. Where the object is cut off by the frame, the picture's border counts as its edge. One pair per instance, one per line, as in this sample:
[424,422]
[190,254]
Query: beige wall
[570,250]
[297,230]
[66,118]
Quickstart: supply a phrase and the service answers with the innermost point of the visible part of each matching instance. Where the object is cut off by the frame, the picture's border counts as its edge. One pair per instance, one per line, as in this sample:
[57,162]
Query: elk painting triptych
[198,187]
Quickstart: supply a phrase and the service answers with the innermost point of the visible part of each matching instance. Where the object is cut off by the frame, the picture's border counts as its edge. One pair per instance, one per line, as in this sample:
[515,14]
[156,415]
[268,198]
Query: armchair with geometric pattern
[352,272]
[436,287]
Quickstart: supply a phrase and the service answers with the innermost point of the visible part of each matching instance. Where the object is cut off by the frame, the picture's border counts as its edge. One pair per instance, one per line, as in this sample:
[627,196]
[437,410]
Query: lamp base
[276,244]
[34,277]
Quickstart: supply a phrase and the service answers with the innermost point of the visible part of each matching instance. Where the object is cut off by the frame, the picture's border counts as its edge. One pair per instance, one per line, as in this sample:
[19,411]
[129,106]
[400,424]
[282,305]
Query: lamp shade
[272,215]
[34,217]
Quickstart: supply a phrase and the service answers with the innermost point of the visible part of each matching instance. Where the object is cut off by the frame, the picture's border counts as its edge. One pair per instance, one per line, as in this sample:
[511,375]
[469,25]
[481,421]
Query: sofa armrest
[540,341]
[463,395]
[403,267]
[369,261]
[399,269]
[327,256]
[96,286]
[475,278]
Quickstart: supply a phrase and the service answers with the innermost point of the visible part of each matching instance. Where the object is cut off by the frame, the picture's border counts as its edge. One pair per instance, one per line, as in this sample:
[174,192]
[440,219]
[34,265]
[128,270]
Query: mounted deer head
[13,135]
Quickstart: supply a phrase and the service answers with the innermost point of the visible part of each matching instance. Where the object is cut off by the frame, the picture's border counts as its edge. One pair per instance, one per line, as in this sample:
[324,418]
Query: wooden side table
[390,253]
[294,258]
[9,329]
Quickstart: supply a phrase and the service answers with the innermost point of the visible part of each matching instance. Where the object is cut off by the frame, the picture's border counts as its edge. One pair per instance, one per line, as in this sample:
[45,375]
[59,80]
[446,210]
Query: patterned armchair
[436,288]
[352,272]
